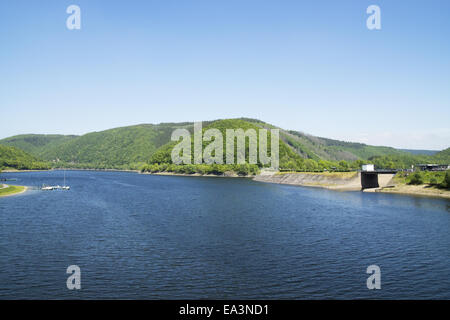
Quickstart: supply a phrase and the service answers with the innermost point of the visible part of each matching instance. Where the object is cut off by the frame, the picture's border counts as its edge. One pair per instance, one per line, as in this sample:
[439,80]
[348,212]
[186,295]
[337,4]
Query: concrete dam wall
[346,181]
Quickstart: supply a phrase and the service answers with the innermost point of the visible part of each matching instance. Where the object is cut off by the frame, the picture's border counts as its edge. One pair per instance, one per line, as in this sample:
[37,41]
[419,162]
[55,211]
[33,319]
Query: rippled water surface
[152,237]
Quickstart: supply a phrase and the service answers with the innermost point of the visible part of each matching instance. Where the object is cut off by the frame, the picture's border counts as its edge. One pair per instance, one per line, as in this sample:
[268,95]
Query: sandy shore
[420,190]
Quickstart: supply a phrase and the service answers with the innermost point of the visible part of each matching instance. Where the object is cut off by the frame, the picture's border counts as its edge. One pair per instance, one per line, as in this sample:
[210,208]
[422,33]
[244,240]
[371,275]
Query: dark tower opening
[369,180]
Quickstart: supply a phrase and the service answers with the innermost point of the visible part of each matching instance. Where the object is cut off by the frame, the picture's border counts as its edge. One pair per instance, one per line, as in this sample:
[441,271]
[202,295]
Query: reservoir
[167,237]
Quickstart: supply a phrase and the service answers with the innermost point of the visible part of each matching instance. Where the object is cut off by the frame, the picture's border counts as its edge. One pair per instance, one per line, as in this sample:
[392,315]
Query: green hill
[133,146]
[317,148]
[120,148]
[161,159]
[444,154]
[421,152]
[334,150]
[13,158]
[37,144]
[296,152]
[405,161]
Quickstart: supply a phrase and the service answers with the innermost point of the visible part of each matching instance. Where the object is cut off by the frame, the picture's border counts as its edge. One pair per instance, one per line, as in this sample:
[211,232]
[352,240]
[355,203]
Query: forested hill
[421,152]
[13,158]
[119,148]
[442,155]
[161,160]
[299,152]
[37,144]
[133,146]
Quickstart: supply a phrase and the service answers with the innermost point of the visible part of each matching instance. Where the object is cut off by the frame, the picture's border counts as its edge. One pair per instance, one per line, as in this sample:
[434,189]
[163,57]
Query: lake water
[161,237]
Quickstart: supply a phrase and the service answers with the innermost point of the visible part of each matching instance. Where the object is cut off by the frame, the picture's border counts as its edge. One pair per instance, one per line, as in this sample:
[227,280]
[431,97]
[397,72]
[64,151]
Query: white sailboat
[64,187]
[58,187]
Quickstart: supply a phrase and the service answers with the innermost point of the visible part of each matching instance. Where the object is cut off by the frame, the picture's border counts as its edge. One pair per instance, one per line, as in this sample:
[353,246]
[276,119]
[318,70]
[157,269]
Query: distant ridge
[425,152]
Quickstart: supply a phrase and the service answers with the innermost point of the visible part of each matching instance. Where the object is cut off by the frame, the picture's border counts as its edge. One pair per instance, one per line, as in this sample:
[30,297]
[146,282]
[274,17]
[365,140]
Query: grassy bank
[10,190]
[432,184]
[437,179]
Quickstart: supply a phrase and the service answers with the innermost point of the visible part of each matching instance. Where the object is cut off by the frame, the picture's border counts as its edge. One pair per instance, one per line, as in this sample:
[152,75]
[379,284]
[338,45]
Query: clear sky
[311,66]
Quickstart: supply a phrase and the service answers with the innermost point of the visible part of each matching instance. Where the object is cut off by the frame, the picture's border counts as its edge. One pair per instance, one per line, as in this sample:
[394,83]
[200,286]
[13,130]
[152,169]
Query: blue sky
[311,66]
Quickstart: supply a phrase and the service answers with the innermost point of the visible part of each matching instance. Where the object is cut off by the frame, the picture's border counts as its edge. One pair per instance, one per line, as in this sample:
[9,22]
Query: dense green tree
[446,182]
[416,178]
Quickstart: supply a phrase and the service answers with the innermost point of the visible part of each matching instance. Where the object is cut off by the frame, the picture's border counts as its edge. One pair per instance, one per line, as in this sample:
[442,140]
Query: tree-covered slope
[13,158]
[37,144]
[405,161]
[329,149]
[162,158]
[285,153]
[420,152]
[443,155]
[316,148]
[125,147]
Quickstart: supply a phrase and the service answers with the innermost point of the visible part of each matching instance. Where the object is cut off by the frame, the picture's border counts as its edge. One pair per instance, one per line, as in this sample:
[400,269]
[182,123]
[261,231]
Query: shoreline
[19,171]
[226,175]
[414,190]
[71,169]
[78,169]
